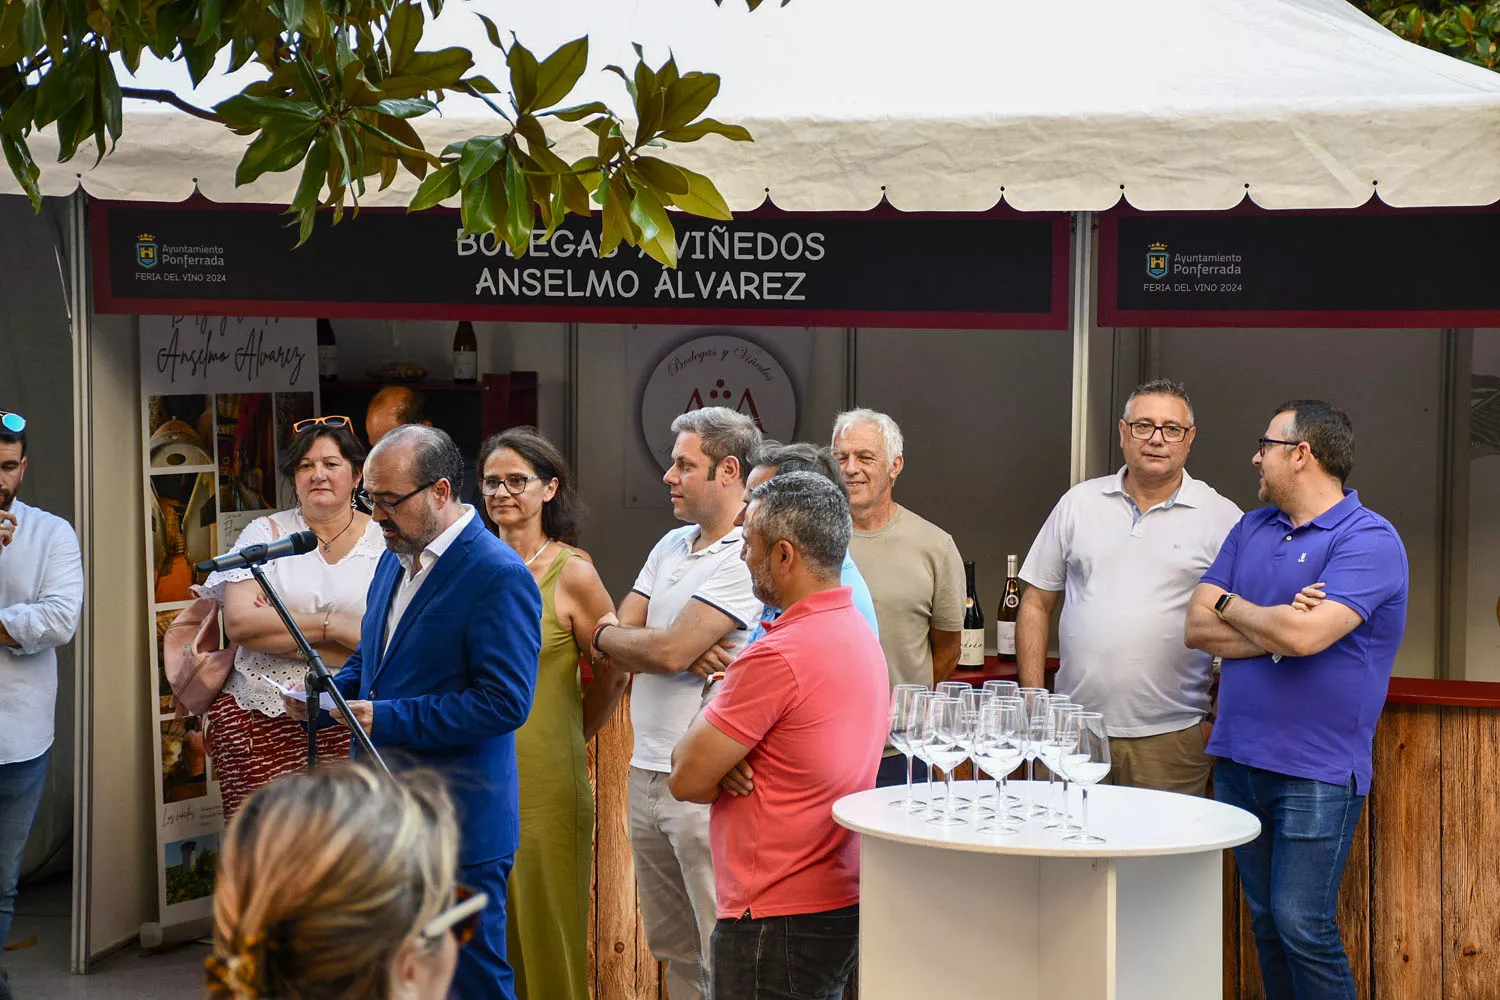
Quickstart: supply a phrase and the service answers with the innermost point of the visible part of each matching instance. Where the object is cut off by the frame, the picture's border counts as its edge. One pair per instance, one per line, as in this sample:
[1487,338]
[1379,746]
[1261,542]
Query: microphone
[294,544]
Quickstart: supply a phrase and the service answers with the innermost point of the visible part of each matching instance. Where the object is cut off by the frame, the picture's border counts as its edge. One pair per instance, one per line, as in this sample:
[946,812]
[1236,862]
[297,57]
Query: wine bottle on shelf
[328,352]
[465,353]
[1010,607]
[971,645]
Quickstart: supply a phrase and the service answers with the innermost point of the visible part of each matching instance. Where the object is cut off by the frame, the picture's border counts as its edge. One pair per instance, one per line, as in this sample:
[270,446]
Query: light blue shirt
[850,577]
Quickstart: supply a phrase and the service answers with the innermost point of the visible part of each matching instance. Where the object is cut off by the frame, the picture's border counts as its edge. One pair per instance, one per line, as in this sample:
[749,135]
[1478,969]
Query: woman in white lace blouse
[249,737]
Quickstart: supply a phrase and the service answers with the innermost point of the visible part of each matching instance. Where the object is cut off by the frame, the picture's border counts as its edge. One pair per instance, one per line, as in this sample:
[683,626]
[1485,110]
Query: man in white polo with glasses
[1124,553]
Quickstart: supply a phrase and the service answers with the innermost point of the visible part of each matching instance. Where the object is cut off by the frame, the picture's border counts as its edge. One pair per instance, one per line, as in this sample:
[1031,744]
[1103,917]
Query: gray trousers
[674,877]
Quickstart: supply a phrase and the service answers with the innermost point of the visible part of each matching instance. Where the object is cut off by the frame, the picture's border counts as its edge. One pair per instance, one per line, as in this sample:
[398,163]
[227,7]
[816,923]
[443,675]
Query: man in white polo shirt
[1124,554]
[694,593]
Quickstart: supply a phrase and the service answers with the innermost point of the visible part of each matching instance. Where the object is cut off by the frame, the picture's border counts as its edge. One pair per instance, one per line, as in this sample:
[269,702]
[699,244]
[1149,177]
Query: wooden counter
[1420,902]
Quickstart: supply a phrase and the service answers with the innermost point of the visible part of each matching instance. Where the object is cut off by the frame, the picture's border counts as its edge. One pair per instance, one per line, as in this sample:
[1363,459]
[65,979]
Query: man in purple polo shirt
[1306,603]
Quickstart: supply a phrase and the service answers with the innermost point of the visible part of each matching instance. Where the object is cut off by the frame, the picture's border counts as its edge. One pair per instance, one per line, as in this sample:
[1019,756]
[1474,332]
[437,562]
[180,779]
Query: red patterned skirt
[250,749]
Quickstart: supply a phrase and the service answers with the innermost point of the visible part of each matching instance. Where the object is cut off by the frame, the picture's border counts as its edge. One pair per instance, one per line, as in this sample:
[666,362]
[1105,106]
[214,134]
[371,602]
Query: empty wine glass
[907,712]
[1087,766]
[1005,689]
[1036,700]
[999,742]
[1061,742]
[971,698]
[943,741]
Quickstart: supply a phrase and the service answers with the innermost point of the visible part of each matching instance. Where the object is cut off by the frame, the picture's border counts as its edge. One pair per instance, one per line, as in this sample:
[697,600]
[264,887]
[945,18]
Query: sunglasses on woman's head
[13,422]
[462,918]
[333,421]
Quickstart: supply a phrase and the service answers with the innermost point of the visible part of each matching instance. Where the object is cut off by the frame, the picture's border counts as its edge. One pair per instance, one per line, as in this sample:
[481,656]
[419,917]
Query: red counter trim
[996,669]
[1424,691]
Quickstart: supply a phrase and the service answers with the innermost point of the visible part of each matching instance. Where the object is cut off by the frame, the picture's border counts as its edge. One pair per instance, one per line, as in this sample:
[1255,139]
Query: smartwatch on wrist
[1222,604]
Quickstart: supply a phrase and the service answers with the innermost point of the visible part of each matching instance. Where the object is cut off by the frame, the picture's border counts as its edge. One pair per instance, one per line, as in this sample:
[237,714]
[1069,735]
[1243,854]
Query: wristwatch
[1222,604]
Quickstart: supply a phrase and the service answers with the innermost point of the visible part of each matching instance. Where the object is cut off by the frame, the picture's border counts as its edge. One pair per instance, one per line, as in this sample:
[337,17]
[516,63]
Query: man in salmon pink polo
[798,723]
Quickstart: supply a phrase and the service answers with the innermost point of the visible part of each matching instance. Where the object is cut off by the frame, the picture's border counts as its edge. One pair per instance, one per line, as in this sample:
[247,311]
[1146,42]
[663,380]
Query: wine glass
[1062,741]
[943,741]
[999,742]
[1005,689]
[1036,700]
[907,712]
[1087,766]
[972,698]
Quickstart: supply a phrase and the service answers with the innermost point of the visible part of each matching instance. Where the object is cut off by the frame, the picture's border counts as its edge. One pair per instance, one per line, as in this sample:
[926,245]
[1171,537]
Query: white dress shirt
[418,569]
[41,597]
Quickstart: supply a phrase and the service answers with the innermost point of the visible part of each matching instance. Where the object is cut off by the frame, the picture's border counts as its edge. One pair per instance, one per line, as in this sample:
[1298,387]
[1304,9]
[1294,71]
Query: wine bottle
[1010,607]
[971,644]
[328,352]
[465,353]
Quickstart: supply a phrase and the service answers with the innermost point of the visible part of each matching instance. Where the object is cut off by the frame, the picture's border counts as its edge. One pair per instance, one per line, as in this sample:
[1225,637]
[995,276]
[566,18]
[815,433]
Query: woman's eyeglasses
[13,422]
[462,918]
[514,485]
[331,421]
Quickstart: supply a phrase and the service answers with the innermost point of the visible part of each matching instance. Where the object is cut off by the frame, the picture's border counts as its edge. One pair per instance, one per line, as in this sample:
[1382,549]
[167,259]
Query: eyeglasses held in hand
[1267,442]
[462,918]
[13,422]
[1142,430]
[514,485]
[330,421]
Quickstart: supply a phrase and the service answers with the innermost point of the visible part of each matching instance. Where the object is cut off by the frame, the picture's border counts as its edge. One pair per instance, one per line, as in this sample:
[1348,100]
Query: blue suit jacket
[457,679]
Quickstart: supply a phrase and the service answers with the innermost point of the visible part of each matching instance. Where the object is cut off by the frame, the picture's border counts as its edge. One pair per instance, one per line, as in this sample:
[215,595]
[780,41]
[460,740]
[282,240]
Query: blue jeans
[21,787]
[807,956]
[1290,875]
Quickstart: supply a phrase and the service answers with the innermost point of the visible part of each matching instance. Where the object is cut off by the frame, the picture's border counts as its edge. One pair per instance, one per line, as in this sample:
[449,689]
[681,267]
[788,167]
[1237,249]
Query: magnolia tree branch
[167,97]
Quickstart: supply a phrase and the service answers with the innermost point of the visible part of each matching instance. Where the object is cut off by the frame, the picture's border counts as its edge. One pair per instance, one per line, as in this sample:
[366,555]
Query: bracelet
[600,631]
[327,617]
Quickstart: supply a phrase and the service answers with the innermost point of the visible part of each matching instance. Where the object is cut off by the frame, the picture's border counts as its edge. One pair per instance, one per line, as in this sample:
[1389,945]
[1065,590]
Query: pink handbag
[196,667]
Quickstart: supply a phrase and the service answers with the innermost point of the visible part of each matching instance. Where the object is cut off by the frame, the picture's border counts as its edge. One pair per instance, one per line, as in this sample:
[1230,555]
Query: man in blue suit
[447,663]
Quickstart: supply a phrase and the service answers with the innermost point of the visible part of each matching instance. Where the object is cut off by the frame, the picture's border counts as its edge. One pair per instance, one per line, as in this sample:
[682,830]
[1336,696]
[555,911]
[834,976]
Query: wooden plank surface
[1470,873]
[1406,888]
[617,932]
[1231,928]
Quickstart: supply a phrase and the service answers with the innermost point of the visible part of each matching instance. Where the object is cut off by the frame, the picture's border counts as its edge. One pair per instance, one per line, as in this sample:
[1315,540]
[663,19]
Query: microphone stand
[318,680]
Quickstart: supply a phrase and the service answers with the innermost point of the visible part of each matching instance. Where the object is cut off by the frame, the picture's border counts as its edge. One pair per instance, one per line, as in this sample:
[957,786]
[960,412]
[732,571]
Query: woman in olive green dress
[529,499]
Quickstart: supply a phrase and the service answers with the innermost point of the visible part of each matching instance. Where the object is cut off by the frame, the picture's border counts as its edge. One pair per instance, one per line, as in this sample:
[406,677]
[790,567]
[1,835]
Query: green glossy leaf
[277,148]
[292,12]
[479,154]
[688,98]
[559,72]
[257,112]
[439,186]
[658,238]
[58,93]
[579,111]
[702,198]
[305,202]
[403,34]
[210,17]
[662,174]
[617,226]
[574,194]
[523,75]
[477,210]
[410,107]
[492,32]
[110,99]
[25,170]
[518,210]
[444,68]
[19,114]
[705,126]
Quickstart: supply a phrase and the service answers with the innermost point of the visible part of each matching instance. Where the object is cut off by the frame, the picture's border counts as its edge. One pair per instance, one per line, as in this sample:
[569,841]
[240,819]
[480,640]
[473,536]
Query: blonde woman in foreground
[339,885]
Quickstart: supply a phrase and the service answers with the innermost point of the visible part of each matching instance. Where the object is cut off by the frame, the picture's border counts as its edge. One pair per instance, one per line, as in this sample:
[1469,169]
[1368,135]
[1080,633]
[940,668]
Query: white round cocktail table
[947,913]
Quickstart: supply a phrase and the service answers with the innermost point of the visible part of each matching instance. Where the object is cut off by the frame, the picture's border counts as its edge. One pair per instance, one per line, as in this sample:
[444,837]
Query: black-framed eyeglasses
[1144,430]
[462,918]
[1267,442]
[389,506]
[13,422]
[514,485]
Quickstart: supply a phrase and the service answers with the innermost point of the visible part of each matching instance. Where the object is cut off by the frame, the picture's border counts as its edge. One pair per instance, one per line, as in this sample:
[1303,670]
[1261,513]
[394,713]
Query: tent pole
[1082,314]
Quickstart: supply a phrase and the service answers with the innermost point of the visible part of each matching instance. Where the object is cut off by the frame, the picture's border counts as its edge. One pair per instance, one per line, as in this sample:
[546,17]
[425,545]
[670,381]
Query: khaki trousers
[674,878]
[1167,762]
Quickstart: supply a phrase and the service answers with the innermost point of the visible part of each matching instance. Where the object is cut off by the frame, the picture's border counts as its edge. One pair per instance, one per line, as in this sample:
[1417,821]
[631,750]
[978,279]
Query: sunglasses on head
[333,421]
[13,422]
[462,918]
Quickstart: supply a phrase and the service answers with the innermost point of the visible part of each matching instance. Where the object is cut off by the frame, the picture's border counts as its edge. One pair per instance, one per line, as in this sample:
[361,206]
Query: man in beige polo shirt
[1124,554]
[914,571]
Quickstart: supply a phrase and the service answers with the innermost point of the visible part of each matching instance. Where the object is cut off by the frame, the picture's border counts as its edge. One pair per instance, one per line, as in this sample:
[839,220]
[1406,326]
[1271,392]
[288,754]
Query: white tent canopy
[947,104]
